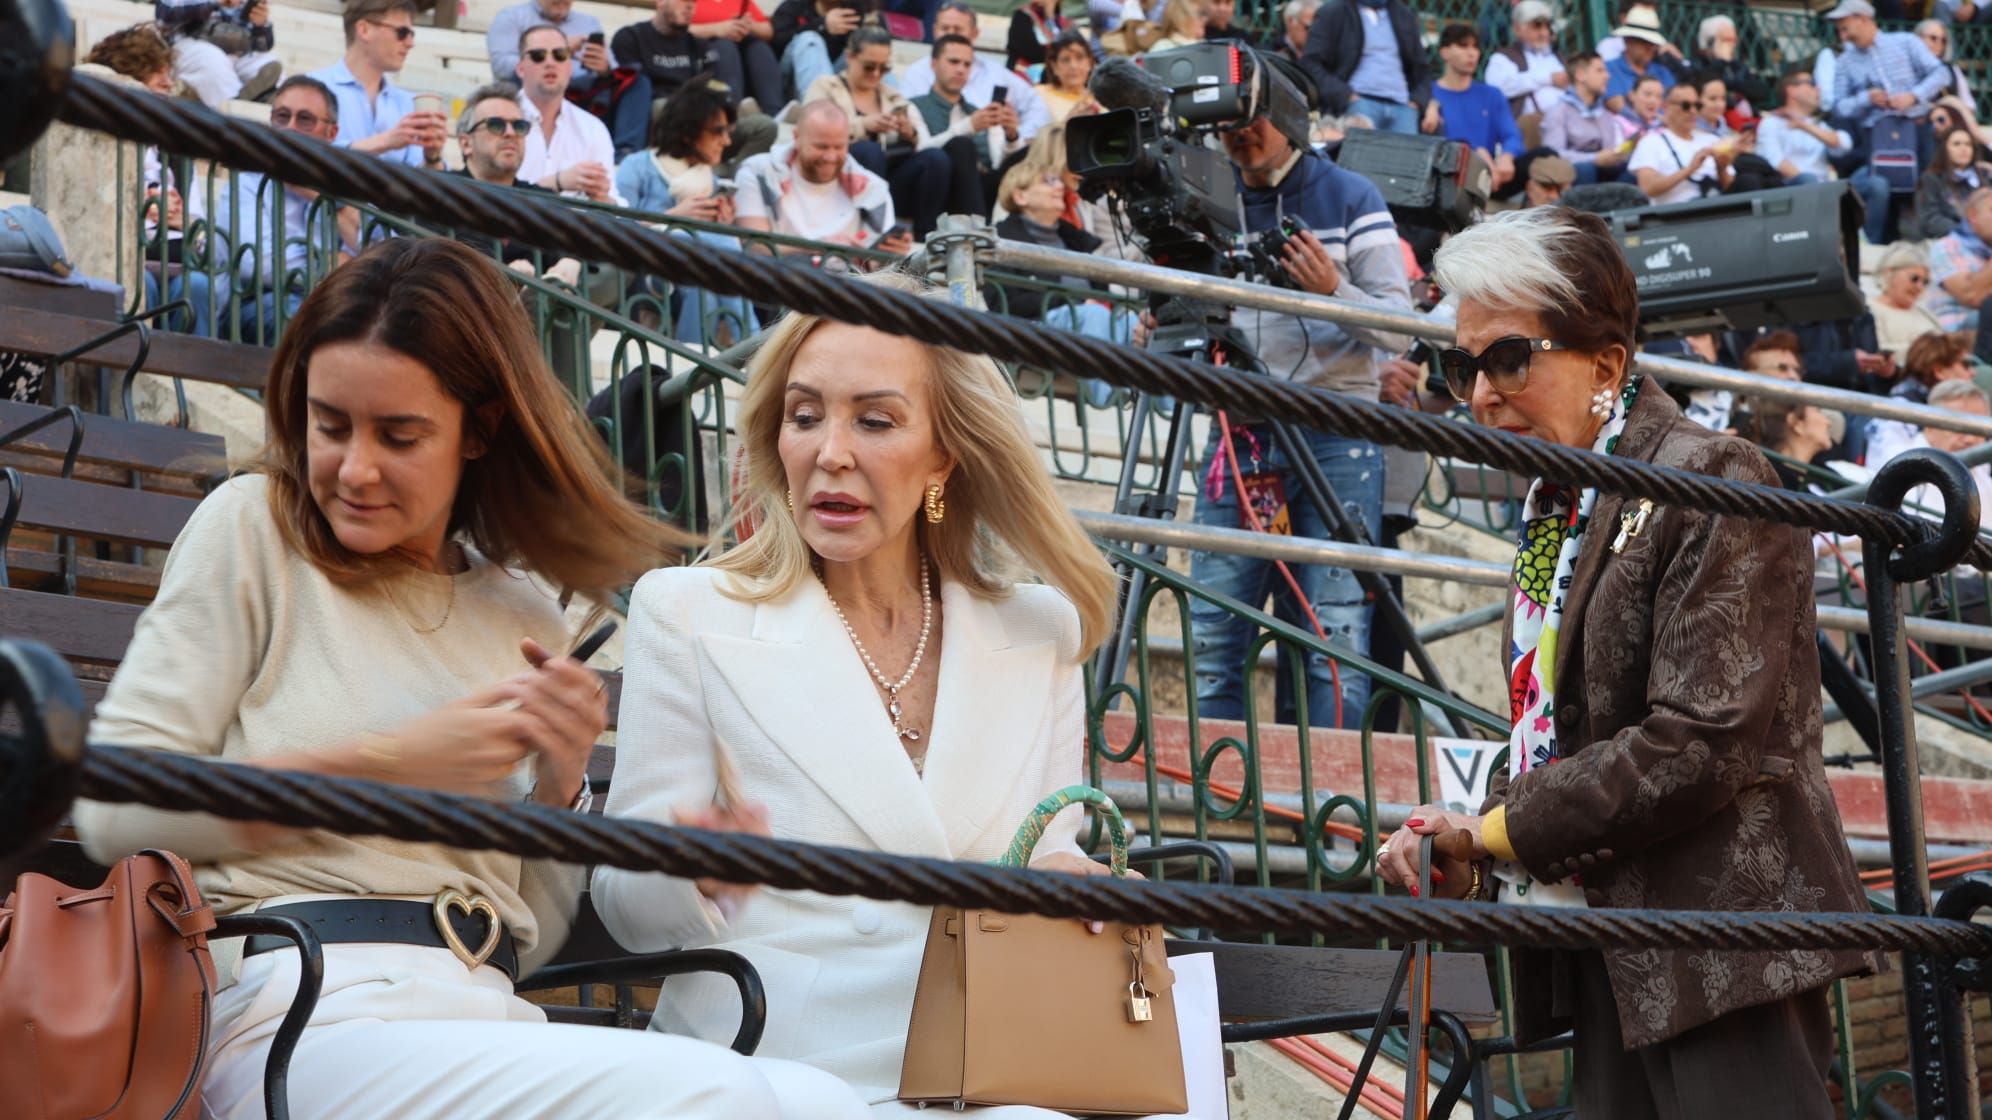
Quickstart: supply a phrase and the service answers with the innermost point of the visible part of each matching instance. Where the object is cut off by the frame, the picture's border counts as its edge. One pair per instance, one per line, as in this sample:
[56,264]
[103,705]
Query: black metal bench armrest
[646,967]
[1458,1074]
[310,980]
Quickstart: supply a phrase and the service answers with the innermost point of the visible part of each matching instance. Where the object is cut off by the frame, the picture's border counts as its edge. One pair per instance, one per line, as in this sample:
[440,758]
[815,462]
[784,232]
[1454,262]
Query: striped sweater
[1348,214]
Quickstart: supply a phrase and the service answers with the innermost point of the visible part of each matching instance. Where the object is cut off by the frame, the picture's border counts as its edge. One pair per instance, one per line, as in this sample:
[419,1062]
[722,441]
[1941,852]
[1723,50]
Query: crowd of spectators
[675,116]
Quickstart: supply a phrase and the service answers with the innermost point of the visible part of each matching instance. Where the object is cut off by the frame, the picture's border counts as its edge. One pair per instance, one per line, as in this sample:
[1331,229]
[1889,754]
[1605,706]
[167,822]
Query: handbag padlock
[1140,1005]
[1140,1008]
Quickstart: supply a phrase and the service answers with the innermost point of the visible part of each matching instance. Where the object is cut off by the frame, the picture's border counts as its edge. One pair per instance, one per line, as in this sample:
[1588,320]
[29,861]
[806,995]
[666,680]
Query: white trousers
[406,1033]
[214,75]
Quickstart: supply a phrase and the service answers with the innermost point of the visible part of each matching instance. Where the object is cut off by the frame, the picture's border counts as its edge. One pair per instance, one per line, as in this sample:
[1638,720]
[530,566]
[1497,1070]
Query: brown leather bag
[105,994]
[1027,1010]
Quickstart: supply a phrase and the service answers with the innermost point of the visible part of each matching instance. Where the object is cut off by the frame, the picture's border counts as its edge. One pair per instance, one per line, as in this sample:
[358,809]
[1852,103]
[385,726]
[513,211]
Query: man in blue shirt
[277,235]
[1348,248]
[1880,71]
[1475,113]
[1641,35]
[376,116]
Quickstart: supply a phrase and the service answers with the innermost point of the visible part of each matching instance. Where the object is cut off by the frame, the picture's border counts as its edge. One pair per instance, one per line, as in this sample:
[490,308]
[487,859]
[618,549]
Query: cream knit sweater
[250,651]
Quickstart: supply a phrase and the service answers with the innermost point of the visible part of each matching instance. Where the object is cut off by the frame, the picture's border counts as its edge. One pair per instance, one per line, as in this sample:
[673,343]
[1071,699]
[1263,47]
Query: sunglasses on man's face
[1690,106]
[1505,361]
[538,54]
[401,34]
[499,126]
[304,120]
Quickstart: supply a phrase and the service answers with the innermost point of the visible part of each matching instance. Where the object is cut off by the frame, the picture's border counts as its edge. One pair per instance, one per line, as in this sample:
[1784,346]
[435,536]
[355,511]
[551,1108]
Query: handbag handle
[1028,833]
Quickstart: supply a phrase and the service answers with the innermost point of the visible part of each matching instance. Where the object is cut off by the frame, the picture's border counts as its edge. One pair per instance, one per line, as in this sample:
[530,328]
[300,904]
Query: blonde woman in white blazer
[861,673]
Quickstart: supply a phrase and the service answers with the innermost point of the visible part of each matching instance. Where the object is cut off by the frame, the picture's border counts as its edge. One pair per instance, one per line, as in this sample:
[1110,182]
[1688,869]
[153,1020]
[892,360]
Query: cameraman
[1349,250]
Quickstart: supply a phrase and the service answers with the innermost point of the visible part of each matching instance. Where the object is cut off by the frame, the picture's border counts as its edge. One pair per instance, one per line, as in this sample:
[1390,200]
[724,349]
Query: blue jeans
[751,69]
[806,59]
[1094,320]
[1387,116]
[1875,196]
[193,285]
[629,118]
[1354,468]
[702,314]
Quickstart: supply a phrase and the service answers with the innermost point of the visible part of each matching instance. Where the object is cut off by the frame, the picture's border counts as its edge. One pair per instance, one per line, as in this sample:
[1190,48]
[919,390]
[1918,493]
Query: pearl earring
[1601,402]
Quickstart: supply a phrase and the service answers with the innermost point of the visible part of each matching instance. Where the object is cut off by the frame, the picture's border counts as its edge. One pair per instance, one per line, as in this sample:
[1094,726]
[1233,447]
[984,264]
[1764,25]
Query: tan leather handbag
[105,995]
[1020,1009]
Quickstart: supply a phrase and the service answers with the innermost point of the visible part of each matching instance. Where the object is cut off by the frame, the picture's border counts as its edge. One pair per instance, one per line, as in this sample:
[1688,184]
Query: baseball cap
[1532,11]
[1552,171]
[1850,8]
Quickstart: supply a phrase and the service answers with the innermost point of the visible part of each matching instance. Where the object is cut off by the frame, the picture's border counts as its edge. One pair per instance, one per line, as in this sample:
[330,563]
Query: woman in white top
[1182,23]
[1678,162]
[377,600]
[1899,315]
[862,671]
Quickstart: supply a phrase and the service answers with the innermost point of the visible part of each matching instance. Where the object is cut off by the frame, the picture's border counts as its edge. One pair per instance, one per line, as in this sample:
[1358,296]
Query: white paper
[1195,994]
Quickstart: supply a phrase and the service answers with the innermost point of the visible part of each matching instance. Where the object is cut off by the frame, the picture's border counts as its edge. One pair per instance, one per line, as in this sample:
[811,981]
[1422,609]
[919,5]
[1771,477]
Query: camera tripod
[1201,330]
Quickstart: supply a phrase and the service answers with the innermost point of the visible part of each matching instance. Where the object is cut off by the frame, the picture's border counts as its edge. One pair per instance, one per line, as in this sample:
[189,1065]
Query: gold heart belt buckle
[453,899]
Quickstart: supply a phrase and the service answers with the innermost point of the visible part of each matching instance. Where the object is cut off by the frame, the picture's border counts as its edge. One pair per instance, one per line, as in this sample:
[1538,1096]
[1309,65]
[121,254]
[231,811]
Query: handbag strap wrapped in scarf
[1028,834]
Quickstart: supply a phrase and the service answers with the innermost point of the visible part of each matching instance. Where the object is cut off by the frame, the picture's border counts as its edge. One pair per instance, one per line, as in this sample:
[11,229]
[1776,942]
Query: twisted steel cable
[185,128]
[354,807]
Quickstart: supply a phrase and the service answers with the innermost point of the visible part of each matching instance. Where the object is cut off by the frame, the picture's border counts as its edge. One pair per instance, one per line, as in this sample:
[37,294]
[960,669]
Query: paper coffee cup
[431,103]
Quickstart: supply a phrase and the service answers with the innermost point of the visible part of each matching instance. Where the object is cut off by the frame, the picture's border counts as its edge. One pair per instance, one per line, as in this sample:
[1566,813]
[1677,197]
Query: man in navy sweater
[1475,113]
[1348,249]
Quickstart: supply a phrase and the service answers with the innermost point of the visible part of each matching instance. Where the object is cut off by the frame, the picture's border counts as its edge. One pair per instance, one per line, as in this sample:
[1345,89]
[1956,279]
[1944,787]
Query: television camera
[1150,155]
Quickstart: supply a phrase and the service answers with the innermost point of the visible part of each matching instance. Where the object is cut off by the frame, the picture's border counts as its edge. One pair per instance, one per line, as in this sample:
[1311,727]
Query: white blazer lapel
[987,714]
[802,682]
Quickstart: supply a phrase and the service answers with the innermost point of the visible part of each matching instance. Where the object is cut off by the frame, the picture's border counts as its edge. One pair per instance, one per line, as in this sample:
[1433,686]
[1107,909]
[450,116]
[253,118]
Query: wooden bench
[56,508]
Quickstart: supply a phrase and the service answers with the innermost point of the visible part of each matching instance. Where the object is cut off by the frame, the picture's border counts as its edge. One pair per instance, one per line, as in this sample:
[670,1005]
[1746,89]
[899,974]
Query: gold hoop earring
[936,508]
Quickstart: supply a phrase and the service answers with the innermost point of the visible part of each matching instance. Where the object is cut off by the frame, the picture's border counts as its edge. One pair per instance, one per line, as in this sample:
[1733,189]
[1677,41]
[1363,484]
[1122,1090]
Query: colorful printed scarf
[1554,518]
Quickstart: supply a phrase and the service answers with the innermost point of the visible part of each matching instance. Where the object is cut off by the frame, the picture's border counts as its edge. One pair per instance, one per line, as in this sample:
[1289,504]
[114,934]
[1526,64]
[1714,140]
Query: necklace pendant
[892,709]
[908,734]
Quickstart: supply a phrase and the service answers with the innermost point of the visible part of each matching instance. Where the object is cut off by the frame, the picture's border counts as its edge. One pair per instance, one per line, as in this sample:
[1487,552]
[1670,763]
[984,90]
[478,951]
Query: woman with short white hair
[1899,315]
[1665,742]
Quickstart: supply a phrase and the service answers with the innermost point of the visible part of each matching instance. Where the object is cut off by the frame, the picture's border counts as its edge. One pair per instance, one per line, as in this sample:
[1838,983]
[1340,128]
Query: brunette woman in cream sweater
[377,599]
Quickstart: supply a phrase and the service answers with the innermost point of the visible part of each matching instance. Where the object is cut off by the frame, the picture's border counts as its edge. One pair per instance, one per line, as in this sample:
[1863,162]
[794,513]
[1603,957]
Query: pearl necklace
[919,652]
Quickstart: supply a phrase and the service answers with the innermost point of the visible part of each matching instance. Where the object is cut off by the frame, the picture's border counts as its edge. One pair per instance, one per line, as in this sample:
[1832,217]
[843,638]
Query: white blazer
[779,686]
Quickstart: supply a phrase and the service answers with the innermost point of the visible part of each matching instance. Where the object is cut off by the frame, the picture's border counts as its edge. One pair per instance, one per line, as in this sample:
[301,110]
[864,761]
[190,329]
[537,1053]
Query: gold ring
[1383,849]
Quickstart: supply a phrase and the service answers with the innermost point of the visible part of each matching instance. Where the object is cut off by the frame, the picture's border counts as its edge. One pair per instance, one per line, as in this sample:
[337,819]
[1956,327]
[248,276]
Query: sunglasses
[1916,278]
[401,34]
[538,54]
[1689,105]
[499,126]
[1505,362]
[873,67]
[305,120]
[721,129]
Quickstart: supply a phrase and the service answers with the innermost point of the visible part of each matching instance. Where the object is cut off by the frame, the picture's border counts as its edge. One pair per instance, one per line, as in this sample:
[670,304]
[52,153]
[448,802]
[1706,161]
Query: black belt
[400,922]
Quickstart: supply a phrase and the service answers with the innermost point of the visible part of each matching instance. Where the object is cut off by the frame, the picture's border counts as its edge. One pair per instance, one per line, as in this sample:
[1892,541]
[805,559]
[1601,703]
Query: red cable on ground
[1252,516]
[1346,831]
[1369,1097]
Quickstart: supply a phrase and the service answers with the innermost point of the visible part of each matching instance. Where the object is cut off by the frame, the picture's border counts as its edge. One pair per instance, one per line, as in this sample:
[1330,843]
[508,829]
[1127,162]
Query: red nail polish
[1438,876]
[1415,822]
[1414,892]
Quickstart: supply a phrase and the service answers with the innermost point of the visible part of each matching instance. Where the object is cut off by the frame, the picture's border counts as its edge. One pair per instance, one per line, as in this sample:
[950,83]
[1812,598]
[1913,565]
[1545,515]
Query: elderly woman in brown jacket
[1665,695]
